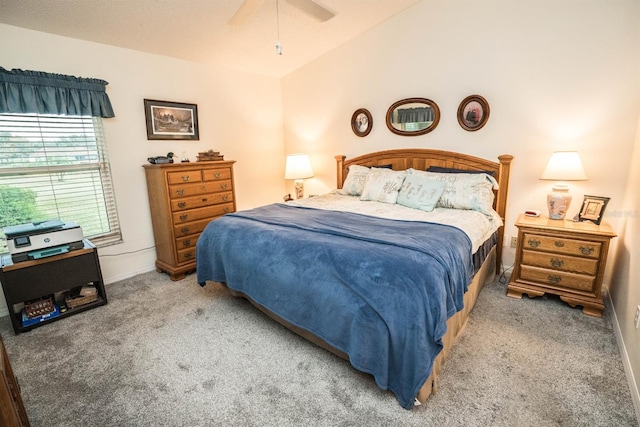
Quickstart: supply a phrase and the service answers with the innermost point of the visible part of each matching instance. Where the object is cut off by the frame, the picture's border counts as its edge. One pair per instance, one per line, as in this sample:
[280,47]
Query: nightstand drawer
[555,278]
[560,262]
[562,245]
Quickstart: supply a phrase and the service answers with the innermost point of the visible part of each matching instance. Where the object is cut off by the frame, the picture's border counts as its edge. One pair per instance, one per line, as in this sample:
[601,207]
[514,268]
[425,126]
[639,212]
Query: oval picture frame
[361,122]
[419,117]
[473,113]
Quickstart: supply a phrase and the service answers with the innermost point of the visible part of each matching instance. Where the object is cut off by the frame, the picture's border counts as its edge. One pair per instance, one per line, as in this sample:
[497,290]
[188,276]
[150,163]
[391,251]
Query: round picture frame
[361,122]
[473,113]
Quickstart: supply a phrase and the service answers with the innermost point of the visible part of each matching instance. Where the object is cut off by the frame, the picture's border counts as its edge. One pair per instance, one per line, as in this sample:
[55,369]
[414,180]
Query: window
[54,166]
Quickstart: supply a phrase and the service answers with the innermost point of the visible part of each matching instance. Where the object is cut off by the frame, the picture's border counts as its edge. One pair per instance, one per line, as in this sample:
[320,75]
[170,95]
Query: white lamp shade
[298,167]
[564,166]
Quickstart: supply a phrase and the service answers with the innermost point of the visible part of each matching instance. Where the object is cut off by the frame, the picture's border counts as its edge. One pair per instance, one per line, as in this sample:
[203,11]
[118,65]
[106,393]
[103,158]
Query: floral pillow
[383,185]
[420,191]
[467,191]
[354,183]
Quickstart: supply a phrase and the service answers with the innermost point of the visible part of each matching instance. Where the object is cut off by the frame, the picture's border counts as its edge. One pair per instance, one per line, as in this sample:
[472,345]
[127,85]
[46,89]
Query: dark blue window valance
[28,92]
[415,115]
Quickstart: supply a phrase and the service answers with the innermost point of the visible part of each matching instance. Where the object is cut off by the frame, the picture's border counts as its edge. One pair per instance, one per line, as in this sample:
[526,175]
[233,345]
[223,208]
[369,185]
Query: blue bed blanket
[379,290]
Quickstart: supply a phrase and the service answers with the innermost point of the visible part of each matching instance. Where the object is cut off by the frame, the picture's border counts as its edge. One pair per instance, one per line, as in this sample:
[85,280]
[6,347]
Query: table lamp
[563,166]
[298,167]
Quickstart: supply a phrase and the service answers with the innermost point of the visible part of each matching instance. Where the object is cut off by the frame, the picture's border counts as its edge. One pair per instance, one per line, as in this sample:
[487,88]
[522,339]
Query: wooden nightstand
[562,258]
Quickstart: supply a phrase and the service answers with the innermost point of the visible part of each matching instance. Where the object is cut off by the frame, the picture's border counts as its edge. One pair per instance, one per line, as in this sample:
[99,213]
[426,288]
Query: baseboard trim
[633,384]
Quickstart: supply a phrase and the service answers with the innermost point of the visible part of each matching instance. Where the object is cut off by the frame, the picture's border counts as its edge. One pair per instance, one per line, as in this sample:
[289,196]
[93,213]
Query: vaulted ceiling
[199,30]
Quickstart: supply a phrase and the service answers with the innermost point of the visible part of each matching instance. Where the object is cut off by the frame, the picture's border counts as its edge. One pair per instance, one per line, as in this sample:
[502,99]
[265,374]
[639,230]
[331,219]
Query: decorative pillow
[383,185]
[440,169]
[354,183]
[420,191]
[467,191]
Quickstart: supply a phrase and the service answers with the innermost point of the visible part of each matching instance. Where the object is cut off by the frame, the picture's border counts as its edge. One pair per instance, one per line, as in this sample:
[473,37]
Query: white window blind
[56,167]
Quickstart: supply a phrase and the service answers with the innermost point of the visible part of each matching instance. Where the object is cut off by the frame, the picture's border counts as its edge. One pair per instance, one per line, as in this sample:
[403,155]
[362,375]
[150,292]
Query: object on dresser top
[561,258]
[209,156]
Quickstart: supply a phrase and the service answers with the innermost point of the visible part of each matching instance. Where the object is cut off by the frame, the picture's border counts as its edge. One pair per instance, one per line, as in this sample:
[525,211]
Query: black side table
[33,279]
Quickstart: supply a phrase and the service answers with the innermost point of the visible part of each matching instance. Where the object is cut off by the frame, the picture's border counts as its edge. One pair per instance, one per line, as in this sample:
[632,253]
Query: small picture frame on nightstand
[593,209]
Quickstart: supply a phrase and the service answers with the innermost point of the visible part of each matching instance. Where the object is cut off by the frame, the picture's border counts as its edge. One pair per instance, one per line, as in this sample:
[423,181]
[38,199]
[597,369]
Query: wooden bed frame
[421,159]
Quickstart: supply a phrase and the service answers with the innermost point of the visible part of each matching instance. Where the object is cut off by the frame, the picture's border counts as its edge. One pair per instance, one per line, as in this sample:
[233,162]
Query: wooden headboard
[421,159]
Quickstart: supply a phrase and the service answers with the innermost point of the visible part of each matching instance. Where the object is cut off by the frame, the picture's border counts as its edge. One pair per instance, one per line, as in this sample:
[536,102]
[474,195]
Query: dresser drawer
[186,190]
[560,262]
[201,213]
[186,255]
[562,245]
[187,241]
[554,278]
[216,174]
[201,201]
[182,177]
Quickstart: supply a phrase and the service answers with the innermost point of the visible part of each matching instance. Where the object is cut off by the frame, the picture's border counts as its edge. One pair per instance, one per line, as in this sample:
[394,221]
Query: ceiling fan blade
[312,9]
[245,11]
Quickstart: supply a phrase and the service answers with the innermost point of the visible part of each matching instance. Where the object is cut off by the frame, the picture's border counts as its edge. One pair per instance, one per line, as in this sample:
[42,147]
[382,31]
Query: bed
[382,272]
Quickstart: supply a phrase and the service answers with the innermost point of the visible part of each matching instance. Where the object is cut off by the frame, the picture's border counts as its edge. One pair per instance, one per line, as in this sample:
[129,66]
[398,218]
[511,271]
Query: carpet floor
[165,353]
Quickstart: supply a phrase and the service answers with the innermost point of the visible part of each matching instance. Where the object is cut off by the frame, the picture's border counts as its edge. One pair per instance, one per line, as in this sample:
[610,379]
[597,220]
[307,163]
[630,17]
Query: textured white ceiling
[198,30]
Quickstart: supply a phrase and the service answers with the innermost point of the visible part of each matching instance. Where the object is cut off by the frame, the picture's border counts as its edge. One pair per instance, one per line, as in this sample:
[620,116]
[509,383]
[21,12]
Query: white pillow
[354,183]
[420,191]
[383,185]
[467,191]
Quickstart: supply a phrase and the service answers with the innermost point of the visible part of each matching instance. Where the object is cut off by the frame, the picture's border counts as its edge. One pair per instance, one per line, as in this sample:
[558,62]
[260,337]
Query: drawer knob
[534,243]
[179,192]
[226,210]
[182,205]
[586,250]
[185,178]
[184,230]
[217,175]
[186,242]
[559,244]
[204,199]
[554,279]
[188,255]
[556,263]
[225,197]
[223,186]
[184,217]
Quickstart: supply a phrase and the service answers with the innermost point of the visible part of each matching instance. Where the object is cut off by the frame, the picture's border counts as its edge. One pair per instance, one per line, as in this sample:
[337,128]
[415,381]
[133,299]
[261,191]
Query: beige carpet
[165,353]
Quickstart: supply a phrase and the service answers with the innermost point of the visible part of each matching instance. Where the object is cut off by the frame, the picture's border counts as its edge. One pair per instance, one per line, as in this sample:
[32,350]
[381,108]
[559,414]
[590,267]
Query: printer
[37,240]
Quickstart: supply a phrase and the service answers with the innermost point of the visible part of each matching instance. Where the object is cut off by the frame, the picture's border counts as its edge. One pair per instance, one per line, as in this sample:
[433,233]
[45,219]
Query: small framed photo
[361,122]
[171,120]
[473,113]
[593,209]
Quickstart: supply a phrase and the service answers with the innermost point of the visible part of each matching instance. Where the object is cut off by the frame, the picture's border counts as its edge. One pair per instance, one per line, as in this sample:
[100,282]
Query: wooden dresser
[562,258]
[12,412]
[184,198]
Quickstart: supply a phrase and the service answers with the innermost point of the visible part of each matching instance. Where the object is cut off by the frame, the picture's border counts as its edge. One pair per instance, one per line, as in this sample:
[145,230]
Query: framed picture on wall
[473,113]
[361,122]
[171,120]
[593,209]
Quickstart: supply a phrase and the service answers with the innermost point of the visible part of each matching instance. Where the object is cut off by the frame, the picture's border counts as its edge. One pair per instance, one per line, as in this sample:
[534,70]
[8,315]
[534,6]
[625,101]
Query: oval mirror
[413,116]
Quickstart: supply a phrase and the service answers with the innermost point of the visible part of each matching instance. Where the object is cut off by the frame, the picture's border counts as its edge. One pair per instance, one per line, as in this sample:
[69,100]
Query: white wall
[557,75]
[240,115]
[625,292]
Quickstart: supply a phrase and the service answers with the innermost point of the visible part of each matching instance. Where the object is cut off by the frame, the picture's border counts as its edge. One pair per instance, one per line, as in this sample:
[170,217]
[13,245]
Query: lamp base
[299,186]
[558,201]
